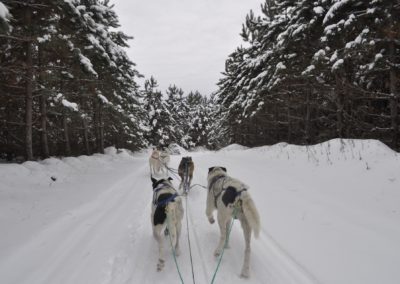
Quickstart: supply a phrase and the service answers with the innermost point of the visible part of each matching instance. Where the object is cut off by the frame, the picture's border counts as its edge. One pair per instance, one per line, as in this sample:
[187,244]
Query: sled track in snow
[281,266]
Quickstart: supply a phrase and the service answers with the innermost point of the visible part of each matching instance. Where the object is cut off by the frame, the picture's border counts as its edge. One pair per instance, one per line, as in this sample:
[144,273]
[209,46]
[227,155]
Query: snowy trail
[72,249]
[270,263]
[323,230]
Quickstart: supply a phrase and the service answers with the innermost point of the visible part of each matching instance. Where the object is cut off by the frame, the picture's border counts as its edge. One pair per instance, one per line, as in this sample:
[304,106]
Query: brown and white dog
[166,213]
[230,196]
[185,170]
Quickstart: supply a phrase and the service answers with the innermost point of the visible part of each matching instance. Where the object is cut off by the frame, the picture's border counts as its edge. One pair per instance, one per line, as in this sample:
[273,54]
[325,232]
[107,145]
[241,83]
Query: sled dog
[164,159]
[230,196]
[186,168]
[166,213]
[155,162]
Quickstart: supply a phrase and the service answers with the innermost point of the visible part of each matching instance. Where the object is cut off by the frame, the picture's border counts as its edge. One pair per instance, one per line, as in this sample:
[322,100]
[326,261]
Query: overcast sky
[183,42]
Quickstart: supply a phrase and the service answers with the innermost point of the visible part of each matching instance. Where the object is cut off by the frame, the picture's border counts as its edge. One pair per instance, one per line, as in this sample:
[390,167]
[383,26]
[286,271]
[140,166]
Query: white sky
[183,42]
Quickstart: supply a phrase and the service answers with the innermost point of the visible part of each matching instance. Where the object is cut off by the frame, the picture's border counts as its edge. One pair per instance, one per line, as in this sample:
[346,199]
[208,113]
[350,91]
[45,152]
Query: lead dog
[155,162]
[230,196]
[164,159]
[166,212]
[185,170]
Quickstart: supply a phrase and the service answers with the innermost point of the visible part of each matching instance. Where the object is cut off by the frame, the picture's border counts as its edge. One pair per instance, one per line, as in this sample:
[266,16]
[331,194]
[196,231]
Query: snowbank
[43,171]
[327,152]
[233,147]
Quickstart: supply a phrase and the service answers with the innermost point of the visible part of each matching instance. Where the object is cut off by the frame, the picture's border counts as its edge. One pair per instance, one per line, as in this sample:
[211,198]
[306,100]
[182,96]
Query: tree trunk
[86,136]
[29,89]
[43,110]
[307,122]
[393,99]
[66,135]
[101,129]
[289,122]
[98,125]
[339,108]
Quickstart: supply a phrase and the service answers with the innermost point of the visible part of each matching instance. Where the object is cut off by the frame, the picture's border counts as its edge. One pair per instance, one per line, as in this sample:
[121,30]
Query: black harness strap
[211,187]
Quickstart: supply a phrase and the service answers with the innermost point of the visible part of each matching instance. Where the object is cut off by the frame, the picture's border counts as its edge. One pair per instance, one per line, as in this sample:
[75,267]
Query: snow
[233,147]
[308,70]
[337,64]
[330,213]
[70,105]
[87,64]
[3,11]
[318,10]
[333,9]
[280,66]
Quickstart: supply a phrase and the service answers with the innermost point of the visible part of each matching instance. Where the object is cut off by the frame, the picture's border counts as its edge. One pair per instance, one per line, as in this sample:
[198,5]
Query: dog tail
[251,213]
[171,221]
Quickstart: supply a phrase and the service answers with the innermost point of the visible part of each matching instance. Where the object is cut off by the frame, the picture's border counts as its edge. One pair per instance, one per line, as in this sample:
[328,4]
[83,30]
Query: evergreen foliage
[314,70]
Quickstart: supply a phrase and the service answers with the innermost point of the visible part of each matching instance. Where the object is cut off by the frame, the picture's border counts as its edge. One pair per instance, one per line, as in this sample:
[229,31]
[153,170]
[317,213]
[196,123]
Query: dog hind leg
[247,236]
[210,207]
[157,235]
[223,220]
[178,234]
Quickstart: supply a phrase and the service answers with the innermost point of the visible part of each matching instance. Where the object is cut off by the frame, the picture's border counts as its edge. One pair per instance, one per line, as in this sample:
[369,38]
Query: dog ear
[224,169]
[210,169]
[153,180]
[170,178]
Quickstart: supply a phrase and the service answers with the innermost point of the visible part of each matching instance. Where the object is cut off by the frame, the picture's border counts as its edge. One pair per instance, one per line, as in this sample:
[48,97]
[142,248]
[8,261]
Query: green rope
[173,251]
[226,243]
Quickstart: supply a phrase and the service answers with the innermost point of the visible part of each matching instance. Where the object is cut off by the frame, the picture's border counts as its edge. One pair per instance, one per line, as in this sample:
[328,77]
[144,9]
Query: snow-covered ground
[330,214]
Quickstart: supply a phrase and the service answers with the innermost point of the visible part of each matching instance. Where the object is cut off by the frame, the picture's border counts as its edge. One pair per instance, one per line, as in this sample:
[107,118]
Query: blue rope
[190,248]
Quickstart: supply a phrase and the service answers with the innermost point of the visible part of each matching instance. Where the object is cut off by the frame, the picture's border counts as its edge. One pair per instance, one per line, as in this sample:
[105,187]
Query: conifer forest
[306,72]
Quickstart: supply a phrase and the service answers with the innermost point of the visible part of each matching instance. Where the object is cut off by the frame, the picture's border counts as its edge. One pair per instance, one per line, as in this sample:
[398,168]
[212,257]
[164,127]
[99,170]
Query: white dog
[230,196]
[158,162]
[165,159]
[167,212]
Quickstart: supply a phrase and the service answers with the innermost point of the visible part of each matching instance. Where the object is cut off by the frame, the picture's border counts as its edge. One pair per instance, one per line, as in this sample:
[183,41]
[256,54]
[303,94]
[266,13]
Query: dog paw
[217,253]
[245,274]
[211,220]
[160,264]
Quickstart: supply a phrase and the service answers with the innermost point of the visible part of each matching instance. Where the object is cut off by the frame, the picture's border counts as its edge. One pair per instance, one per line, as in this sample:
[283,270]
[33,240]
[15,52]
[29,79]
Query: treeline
[67,87]
[313,70]
[173,117]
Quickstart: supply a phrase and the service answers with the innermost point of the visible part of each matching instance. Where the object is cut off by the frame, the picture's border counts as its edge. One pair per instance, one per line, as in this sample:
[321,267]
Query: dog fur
[165,159]
[159,161]
[166,215]
[155,162]
[224,192]
[181,170]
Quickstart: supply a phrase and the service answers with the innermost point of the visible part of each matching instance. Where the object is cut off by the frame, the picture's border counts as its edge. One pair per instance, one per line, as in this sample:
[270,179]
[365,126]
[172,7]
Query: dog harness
[164,201]
[234,192]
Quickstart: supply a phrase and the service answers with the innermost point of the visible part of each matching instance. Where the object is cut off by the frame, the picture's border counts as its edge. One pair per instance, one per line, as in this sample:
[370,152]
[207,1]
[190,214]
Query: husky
[166,213]
[185,170]
[155,162]
[164,159]
[229,196]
